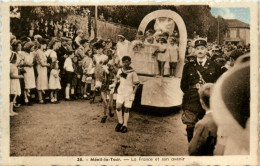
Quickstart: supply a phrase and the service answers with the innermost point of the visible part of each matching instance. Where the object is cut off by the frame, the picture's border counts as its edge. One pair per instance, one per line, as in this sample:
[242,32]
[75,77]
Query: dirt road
[74,129]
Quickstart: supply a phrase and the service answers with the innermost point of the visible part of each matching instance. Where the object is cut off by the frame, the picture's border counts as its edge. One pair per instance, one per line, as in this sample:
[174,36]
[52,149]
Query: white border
[216,160]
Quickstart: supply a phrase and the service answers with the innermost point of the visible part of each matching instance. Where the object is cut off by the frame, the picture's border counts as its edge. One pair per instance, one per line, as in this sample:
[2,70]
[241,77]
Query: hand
[78,76]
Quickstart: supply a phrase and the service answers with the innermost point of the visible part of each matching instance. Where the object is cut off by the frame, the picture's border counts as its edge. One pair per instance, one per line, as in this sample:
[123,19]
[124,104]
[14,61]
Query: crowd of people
[56,62]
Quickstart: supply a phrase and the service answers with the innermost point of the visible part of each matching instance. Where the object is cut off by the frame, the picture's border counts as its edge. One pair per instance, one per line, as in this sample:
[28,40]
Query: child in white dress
[54,81]
[161,55]
[173,50]
[15,89]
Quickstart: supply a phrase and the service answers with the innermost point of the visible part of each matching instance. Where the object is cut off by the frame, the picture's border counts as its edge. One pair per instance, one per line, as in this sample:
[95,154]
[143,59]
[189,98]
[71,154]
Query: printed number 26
[79,159]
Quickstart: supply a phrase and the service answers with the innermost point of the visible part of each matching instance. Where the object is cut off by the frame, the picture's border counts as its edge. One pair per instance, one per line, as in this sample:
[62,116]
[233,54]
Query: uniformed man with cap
[195,74]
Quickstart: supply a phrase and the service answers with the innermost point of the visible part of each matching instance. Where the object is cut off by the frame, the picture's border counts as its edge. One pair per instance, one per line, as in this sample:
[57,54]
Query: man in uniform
[195,74]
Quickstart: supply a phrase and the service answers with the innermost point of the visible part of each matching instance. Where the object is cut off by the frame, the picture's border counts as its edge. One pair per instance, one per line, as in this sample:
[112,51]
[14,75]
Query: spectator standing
[42,79]
[205,132]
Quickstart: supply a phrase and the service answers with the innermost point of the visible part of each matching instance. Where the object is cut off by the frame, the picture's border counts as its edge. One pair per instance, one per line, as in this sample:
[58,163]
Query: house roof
[234,23]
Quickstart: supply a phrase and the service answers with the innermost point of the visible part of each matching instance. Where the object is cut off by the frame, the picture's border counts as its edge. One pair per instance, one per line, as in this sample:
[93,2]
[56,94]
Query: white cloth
[54,81]
[77,40]
[68,65]
[15,87]
[100,58]
[162,56]
[29,78]
[126,84]
[122,49]
[173,53]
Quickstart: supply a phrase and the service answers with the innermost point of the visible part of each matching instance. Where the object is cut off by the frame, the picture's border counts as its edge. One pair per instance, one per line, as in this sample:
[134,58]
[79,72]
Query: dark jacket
[190,77]
[204,137]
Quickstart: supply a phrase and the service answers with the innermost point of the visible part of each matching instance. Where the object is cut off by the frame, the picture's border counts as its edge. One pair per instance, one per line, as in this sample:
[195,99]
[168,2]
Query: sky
[242,14]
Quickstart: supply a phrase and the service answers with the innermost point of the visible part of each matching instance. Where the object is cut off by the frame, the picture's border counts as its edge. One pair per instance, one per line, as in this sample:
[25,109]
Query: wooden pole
[96,16]
[218,30]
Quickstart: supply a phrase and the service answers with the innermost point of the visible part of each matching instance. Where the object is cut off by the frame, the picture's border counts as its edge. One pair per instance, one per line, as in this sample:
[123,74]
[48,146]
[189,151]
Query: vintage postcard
[133,83]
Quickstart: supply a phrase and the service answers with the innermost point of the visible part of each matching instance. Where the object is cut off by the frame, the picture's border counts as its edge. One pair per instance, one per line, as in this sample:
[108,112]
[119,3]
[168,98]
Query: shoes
[103,120]
[68,99]
[41,102]
[17,105]
[52,100]
[124,129]
[118,127]
[13,113]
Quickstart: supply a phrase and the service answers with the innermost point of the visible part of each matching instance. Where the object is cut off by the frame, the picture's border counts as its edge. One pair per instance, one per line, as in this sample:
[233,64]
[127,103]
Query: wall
[105,29]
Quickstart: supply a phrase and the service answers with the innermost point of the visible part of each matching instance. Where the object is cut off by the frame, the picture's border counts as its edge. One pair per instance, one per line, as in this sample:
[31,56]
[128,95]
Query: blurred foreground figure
[205,132]
[230,103]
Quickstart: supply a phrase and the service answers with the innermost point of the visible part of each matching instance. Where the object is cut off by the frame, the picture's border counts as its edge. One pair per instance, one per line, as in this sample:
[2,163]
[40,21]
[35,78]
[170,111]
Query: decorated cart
[159,91]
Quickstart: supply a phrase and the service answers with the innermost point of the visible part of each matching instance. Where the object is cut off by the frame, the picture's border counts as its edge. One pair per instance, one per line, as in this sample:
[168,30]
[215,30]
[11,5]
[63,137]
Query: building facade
[238,32]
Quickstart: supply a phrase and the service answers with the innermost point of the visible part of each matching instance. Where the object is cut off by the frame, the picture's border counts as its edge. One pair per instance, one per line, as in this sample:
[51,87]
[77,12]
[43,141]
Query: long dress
[15,88]
[29,78]
[54,81]
[42,79]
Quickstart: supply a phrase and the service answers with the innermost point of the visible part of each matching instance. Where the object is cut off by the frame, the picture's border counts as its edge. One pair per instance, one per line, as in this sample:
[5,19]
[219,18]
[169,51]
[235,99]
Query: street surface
[73,129]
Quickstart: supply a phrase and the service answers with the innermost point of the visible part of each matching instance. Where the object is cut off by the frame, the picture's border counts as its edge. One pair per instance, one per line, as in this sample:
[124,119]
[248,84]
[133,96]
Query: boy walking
[126,93]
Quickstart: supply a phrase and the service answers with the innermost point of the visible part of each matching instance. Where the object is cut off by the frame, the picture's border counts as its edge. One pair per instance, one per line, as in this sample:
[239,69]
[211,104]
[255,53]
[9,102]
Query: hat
[16,42]
[37,37]
[42,41]
[65,39]
[191,55]
[200,42]
[53,41]
[121,36]
[29,45]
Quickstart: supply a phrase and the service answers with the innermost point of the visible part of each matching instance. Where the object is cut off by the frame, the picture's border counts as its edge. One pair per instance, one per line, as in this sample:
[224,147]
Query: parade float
[158,91]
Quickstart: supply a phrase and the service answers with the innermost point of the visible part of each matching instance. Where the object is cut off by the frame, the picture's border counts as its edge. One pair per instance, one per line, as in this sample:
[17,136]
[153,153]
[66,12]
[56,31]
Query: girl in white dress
[54,81]
[161,55]
[15,89]
[29,78]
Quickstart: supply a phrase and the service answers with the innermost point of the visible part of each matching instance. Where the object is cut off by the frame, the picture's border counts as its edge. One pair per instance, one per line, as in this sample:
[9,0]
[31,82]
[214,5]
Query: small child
[54,81]
[87,66]
[69,71]
[75,84]
[15,88]
[174,56]
[126,92]
[161,55]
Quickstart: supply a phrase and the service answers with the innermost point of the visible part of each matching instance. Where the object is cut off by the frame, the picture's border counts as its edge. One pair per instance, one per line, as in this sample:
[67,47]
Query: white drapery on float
[159,92]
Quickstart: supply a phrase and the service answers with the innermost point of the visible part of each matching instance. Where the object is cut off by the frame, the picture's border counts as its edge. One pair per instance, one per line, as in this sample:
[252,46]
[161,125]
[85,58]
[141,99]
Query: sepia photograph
[133,81]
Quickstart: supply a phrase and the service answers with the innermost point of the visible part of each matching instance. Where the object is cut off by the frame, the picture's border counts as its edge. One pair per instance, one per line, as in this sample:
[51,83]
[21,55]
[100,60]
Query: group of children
[168,49]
